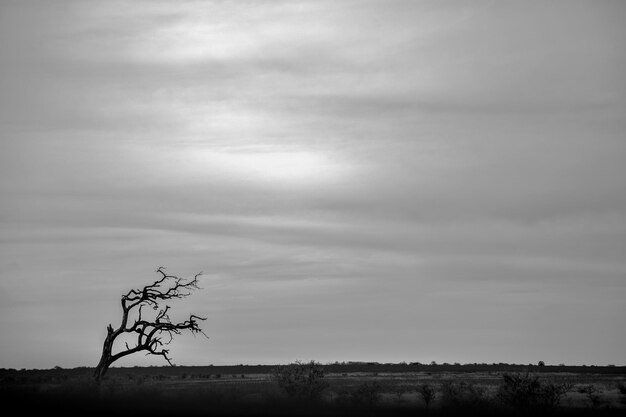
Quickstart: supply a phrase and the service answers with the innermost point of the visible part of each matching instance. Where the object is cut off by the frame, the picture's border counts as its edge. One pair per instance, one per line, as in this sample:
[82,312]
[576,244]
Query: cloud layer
[358,180]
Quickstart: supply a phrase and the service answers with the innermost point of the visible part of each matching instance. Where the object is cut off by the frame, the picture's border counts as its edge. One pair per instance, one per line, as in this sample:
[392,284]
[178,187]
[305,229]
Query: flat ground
[218,390]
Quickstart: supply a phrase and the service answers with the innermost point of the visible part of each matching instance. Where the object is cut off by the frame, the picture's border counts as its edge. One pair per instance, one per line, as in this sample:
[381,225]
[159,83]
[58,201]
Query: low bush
[461,394]
[593,394]
[301,381]
[621,387]
[367,394]
[525,392]
[427,392]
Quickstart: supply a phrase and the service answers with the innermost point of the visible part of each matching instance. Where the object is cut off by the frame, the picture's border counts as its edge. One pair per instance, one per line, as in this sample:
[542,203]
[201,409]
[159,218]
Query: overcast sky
[358,180]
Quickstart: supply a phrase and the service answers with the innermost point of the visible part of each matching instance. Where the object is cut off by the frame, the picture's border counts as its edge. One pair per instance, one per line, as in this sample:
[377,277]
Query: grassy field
[348,389]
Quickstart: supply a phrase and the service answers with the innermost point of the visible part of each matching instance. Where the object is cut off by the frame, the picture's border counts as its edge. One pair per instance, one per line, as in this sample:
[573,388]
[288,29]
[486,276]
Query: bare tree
[154,333]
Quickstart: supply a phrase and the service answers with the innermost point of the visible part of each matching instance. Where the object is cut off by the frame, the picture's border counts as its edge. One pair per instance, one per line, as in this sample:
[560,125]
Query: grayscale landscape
[305,207]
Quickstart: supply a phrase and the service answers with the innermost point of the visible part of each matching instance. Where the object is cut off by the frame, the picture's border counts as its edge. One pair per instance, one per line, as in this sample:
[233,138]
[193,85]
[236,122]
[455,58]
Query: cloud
[470,161]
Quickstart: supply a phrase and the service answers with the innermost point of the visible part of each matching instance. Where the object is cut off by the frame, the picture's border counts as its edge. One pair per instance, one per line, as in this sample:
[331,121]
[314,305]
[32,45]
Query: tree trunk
[101,369]
[105,360]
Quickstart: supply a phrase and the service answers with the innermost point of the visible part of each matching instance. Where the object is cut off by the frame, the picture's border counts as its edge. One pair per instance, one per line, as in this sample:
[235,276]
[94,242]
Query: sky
[357,180]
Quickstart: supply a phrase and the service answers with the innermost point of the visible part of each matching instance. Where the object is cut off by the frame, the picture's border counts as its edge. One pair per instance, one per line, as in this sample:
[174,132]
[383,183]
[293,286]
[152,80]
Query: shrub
[301,381]
[593,393]
[367,394]
[621,387]
[427,393]
[525,392]
[551,394]
[462,395]
[400,390]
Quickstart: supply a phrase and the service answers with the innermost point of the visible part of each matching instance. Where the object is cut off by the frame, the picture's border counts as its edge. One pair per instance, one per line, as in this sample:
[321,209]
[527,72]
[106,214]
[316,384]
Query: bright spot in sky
[286,167]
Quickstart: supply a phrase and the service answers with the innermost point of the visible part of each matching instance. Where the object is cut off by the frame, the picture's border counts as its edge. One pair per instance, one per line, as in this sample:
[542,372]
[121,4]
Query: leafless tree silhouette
[154,333]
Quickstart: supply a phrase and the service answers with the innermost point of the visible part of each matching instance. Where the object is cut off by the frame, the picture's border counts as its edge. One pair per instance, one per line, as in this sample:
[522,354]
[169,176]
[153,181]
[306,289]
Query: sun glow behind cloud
[276,167]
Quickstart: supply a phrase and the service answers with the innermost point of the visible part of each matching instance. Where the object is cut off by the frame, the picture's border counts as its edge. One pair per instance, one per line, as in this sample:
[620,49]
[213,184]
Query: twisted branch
[152,335]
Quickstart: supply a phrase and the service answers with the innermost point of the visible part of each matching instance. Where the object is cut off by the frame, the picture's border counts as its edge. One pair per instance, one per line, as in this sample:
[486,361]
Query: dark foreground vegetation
[308,388]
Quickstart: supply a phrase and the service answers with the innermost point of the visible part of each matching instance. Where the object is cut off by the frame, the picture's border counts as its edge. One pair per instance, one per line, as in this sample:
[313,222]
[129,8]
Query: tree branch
[152,334]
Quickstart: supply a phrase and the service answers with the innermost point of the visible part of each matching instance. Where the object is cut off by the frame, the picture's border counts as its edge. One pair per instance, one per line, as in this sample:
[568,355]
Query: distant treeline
[338,367]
